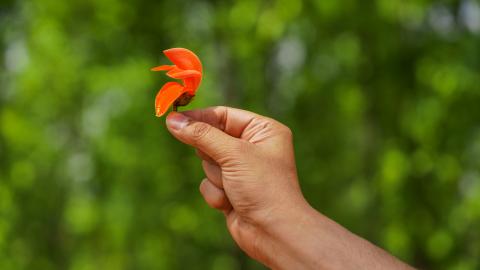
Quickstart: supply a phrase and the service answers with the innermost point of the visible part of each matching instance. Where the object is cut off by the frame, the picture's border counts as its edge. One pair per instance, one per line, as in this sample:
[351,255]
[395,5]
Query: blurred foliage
[383,98]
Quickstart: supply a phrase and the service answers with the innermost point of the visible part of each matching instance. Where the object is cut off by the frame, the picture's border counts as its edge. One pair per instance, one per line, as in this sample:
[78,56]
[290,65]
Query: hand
[249,163]
[251,176]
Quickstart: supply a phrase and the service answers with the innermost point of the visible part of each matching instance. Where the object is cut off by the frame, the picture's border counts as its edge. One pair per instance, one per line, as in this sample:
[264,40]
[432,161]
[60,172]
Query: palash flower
[188,68]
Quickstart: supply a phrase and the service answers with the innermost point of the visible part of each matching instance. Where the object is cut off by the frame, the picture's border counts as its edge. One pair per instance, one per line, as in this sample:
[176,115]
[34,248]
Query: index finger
[230,120]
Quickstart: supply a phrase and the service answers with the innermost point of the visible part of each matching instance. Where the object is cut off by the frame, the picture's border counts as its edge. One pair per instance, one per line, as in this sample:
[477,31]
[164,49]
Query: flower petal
[184,59]
[191,84]
[163,67]
[167,96]
[182,74]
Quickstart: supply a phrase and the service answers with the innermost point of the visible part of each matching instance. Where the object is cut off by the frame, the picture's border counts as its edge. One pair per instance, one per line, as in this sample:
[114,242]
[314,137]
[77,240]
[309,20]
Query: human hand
[251,176]
[249,163]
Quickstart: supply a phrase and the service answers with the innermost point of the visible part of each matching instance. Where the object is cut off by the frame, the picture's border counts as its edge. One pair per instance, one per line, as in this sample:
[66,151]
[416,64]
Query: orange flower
[188,68]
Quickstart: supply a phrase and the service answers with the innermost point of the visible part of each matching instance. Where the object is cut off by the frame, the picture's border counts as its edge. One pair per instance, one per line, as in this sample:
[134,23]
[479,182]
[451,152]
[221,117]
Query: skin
[251,177]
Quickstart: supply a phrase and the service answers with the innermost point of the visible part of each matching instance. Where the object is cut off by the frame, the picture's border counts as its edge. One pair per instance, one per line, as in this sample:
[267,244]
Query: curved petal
[182,74]
[191,84]
[175,69]
[184,59]
[167,96]
[163,67]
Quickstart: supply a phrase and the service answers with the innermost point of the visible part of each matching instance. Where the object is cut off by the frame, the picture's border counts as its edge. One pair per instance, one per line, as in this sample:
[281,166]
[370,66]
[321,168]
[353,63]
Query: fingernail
[177,121]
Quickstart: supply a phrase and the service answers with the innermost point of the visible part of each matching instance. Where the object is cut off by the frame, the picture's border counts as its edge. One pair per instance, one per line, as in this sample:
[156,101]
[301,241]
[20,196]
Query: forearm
[305,239]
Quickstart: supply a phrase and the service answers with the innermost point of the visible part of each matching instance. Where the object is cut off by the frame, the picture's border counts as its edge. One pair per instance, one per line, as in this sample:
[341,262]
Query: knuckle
[278,127]
[288,132]
[285,131]
[218,203]
[222,112]
[201,187]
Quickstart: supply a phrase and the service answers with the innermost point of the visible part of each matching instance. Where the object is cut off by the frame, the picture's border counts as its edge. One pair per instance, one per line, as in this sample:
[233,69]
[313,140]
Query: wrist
[303,238]
[297,238]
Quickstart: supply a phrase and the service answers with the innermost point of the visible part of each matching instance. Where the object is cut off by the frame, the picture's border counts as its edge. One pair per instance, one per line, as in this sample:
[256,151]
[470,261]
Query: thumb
[210,140]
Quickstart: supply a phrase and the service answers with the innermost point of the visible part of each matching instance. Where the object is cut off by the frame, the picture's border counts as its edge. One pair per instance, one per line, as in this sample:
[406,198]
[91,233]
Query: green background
[383,98]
